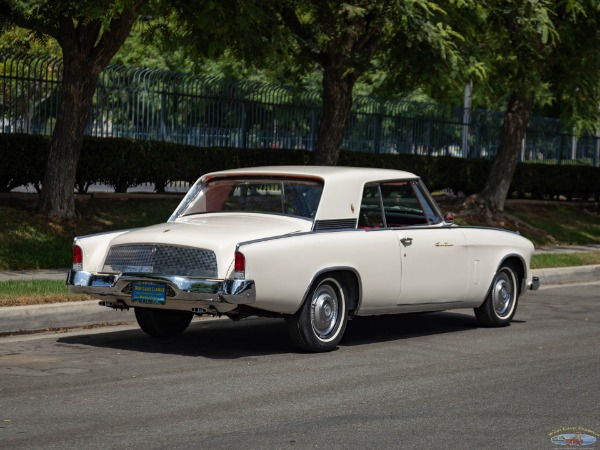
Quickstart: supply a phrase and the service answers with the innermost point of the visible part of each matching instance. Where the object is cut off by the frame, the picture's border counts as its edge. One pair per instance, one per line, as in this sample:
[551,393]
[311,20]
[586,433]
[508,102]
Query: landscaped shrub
[122,163]
[22,160]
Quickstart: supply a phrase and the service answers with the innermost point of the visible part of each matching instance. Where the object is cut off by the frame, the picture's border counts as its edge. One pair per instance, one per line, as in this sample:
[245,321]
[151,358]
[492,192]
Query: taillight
[239,266]
[77,258]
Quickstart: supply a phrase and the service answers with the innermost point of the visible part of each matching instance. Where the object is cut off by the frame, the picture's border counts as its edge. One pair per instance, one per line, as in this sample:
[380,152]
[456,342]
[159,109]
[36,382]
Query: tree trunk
[57,199]
[87,47]
[337,105]
[492,198]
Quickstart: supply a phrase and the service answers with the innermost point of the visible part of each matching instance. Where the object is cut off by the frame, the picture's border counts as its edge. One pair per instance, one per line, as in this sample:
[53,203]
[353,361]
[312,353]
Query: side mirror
[449,217]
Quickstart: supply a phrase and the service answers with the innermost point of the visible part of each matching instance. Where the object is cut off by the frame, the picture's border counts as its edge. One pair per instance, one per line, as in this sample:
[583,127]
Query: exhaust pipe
[114,305]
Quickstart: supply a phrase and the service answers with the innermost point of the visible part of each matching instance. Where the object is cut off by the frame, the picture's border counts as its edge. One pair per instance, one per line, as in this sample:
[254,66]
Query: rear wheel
[500,305]
[321,321]
[162,324]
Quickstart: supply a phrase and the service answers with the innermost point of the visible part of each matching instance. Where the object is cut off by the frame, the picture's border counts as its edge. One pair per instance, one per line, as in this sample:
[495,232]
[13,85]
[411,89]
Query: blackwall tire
[321,321]
[162,324]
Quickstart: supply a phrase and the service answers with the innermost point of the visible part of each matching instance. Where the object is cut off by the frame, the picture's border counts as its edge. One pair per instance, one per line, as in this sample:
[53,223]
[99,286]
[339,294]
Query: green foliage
[541,181]
[123,163]
[150,45]
[22,42]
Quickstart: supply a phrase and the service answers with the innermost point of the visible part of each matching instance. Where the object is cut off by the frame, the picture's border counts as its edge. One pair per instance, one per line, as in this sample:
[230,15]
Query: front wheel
[500,305]
[321,321]
[162,324]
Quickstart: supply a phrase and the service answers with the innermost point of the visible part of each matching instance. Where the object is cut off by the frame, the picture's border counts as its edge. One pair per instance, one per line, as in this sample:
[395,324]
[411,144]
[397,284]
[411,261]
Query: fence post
[559,152]
[313,129]
[596,150]
[428,139]
[163,120]
[375,132]
[243,124]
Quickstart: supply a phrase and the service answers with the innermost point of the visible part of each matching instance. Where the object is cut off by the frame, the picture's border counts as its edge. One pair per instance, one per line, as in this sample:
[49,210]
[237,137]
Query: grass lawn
[562,223]
[550,223]
[30,241]
[36,292]
[564,260]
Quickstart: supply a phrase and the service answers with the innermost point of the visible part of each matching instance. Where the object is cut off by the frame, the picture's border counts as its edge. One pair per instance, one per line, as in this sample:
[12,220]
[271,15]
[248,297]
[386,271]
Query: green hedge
[123,163]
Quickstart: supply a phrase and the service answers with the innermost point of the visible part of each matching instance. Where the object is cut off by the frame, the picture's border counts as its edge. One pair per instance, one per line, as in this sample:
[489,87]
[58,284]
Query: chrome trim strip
[436,226]
[241,292]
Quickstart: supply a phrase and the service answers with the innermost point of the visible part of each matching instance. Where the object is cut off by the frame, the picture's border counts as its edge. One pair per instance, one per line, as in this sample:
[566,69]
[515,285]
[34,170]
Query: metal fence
[203,111]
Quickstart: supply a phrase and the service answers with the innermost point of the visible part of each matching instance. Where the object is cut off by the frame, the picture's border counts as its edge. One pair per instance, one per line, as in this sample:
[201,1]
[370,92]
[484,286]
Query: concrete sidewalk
[567,249]
[76,314]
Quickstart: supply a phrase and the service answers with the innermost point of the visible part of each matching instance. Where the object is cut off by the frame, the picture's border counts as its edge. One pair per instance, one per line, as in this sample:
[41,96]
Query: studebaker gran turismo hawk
[313,245]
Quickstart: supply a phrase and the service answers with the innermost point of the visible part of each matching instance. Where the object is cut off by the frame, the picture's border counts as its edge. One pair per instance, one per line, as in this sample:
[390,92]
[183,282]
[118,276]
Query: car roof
[359,175]
[343,186]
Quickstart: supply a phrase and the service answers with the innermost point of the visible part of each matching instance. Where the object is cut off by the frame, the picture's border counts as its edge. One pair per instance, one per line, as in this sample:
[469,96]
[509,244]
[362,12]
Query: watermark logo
[573,437]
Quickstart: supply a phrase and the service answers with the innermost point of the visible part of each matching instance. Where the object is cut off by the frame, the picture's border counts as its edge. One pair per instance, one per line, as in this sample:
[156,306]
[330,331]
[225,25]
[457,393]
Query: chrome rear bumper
[240,292]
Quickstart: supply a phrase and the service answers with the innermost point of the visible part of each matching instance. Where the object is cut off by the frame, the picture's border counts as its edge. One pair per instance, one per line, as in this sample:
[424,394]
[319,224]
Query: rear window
[289,196]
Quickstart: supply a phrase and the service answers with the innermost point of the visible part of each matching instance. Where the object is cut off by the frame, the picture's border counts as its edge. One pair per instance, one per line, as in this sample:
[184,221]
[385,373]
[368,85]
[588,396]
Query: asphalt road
[413,381]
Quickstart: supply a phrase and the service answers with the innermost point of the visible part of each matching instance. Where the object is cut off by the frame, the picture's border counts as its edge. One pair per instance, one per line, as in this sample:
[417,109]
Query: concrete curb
[38,274]
[564,275]
[74,314]
[59,315]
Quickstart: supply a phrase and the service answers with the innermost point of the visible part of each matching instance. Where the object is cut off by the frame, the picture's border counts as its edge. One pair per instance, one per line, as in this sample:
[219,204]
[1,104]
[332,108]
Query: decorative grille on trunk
[334,224]
[161,259]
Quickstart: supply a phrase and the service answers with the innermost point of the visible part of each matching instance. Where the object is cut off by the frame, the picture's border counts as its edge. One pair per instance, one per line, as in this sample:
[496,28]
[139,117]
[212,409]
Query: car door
[434,265]
[433,255]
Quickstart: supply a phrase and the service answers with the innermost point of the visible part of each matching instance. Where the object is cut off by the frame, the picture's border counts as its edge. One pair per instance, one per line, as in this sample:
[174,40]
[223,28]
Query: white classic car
[313,245]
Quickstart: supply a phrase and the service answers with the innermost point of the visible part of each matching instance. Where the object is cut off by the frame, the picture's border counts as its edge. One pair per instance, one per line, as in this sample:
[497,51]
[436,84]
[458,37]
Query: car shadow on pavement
[366,330]
[220,339]
[224,339]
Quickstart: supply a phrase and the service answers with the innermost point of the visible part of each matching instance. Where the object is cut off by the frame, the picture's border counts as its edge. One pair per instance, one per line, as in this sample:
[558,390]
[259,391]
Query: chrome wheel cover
[503,294]
[324,311]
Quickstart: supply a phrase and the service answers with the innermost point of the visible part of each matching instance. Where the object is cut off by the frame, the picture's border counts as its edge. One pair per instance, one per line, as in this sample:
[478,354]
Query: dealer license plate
[154,294]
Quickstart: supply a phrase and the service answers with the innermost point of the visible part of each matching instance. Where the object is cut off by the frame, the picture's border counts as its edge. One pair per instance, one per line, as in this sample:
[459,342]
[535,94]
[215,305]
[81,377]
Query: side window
[396,204]
[402,205]
[425,201]
[370,209]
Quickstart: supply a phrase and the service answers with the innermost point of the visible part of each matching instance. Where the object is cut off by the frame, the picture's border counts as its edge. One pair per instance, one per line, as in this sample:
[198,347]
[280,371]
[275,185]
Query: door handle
[406,241]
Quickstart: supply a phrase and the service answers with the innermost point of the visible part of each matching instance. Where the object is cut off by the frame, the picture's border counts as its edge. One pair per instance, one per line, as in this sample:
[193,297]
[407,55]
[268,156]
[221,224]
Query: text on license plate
[154,294]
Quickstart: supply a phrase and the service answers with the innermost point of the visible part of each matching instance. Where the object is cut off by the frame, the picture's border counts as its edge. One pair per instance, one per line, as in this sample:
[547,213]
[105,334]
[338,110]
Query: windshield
[290,196]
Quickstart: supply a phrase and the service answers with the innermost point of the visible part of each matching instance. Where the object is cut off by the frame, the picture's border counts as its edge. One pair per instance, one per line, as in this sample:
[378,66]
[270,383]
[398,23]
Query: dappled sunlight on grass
[29,241]
[566,223]
[30,233]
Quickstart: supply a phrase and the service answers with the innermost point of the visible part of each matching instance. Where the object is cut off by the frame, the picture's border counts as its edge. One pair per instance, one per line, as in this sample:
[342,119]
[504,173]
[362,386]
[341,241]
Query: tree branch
[305,37]
[118,30]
